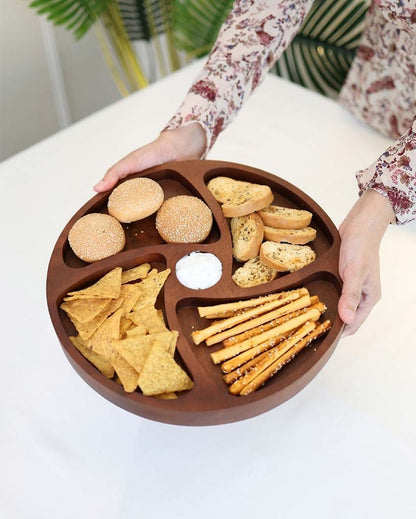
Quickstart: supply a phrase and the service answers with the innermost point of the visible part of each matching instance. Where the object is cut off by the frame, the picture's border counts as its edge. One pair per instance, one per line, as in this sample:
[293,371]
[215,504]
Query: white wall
[37,95]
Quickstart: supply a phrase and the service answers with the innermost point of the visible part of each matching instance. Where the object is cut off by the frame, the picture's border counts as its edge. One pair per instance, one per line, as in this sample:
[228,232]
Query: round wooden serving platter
[209,402]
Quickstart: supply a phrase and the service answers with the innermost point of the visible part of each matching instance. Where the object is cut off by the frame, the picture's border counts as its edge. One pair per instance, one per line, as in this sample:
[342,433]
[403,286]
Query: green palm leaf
[321,54]
[197,22]
[144,19]
[76,15]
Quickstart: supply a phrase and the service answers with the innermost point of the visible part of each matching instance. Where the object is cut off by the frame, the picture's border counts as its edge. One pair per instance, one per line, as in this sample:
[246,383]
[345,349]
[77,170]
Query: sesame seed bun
[184,219]
[135,199]
[96,236]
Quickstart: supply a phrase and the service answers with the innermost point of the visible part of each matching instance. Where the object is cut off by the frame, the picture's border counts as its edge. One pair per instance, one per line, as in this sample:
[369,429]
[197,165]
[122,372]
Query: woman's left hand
[359,266]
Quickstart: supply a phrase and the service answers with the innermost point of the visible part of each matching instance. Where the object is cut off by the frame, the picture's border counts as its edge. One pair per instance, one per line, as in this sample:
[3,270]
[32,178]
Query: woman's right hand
[184,143]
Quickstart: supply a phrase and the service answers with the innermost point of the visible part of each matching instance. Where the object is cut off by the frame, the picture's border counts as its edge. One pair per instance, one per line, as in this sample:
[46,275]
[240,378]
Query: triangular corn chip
[135,331]
[84,310]
[136,349]
[128,376]
[96,359]
[149,289]
[135,273]
[86,330]
[130,294]
[148,317]
[107,286]
[100,342]
[161,374]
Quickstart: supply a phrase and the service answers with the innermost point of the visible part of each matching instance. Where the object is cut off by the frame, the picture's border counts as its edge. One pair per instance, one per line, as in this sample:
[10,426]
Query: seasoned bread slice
[253,273]
[247,235]
[285,257]
[293,236]
[239,198]
[285,217]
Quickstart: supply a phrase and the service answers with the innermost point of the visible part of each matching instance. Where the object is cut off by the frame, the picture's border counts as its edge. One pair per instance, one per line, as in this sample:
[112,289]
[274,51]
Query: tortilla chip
[125,372]
[135,331]
[167,396]
[161,316]
[107,286]
[84,310]
[149,289]
[149,318]
[136,349]
[86,330]
[161,374]
[100,342]
[125,325]
[139,272]
[130,294]
[97,360]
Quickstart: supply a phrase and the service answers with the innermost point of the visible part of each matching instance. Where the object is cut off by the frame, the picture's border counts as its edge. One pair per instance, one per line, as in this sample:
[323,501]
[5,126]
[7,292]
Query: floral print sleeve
[380,89]
[252,38]
[394,176]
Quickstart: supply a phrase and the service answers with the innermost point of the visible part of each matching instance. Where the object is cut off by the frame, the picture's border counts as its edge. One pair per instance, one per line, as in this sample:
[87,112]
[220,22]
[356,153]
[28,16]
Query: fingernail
[100,184]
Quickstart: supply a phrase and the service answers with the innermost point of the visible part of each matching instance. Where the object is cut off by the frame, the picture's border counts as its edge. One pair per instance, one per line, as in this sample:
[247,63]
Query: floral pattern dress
[380,88]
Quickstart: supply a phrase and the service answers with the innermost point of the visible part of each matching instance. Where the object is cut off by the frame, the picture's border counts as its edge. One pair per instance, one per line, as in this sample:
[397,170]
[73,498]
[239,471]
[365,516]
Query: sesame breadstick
[234,364]
[315,303]
[226,353]
[269,357]
[302,302]
[200,335]
[229,309]
[262,377]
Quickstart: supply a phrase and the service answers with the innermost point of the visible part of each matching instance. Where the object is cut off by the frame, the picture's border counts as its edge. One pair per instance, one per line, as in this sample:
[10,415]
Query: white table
[344,447]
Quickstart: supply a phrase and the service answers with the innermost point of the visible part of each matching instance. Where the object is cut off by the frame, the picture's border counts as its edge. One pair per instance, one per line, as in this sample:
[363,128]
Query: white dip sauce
[199,270]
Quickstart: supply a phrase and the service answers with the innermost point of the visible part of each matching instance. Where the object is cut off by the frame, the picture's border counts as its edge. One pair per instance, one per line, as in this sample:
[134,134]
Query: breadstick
[226,353]
[315,303]
[269,357]
[262,377]
[302,302]
[229,309]
[238,366]
[200,335]
[233,365]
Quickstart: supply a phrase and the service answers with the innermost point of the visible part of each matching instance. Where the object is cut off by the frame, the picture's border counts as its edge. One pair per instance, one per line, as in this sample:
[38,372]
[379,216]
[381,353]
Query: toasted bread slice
[293,236]
[239,198]
[285,217]
[247,235]
[253,273]
[285,257]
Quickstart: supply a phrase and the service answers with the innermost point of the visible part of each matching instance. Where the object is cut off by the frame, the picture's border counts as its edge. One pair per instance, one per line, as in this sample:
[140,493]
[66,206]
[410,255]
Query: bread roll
[135,199]
[184,219]
[96,236]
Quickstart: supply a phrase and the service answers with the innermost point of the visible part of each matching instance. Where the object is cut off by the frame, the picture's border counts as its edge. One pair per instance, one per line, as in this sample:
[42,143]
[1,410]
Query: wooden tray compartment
[209,402]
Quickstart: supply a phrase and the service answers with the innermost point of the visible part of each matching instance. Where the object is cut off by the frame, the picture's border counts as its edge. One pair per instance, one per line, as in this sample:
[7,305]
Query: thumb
[120,170]
[351,294]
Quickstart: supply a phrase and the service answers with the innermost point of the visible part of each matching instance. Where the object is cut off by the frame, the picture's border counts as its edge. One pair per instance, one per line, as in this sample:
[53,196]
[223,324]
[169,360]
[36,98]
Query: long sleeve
[393,175]
[381,90]
[252,38]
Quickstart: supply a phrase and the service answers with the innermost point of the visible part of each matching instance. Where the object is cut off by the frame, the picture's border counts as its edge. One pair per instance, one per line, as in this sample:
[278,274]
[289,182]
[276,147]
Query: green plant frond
[76,15]
[64,17]
[144,19]
[197,22]
[49,7]
[321,54]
